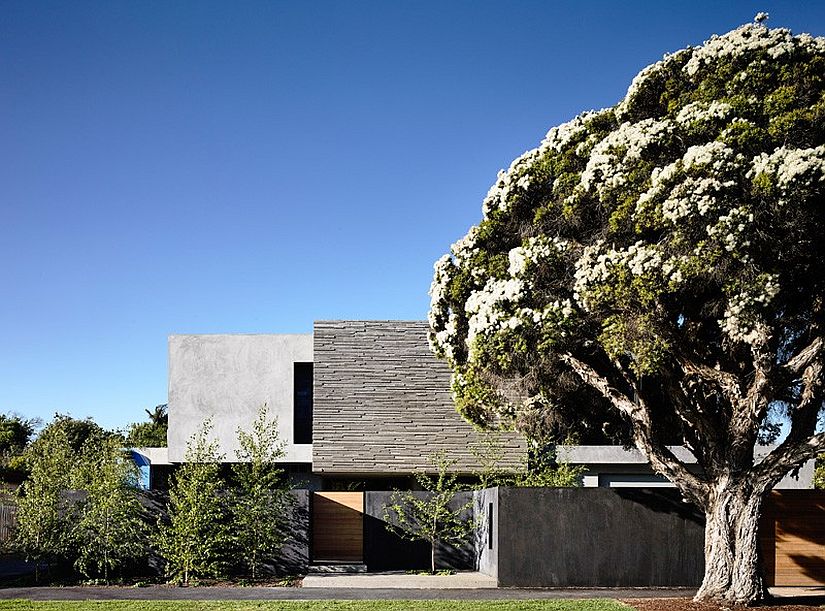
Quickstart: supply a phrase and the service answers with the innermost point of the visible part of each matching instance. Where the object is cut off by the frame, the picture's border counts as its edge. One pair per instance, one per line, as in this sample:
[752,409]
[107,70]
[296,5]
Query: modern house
[361,405]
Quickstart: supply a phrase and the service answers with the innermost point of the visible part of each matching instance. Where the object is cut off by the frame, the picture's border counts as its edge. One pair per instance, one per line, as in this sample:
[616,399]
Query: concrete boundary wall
[591,537]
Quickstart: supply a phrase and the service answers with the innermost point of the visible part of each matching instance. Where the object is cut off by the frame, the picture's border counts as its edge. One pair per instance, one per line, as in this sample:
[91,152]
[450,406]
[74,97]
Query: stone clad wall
[382,401]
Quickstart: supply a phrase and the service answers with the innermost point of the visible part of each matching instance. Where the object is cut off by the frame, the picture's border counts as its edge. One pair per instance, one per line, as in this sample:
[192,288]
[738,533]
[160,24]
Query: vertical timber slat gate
[338,527]
[792,534]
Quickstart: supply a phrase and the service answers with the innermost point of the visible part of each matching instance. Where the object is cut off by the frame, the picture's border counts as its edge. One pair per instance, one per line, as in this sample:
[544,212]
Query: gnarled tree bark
[733,563]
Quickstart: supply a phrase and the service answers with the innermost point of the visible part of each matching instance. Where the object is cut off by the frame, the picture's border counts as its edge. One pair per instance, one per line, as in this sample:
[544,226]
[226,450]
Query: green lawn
[316,605]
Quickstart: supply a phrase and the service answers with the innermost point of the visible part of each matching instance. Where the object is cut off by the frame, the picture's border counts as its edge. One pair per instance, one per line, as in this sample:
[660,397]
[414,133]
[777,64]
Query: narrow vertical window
[302,403]
[490,526]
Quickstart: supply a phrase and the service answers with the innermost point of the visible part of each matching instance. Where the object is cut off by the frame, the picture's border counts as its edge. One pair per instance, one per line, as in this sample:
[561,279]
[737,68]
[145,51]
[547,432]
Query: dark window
[302,403]
[490,526]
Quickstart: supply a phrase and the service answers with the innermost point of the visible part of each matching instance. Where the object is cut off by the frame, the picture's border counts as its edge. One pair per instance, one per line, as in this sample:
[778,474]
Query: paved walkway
[400,579]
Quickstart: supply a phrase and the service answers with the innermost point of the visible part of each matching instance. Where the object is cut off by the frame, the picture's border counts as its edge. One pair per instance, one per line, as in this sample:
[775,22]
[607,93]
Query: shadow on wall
[662,501]
[294,556]
[386,551]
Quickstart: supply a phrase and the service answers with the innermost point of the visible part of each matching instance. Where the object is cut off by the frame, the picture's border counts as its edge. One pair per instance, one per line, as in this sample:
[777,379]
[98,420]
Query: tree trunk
[432,556]
[733,562]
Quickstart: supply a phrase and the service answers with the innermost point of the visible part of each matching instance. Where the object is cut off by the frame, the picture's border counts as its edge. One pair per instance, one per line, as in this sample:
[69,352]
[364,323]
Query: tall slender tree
[195,539]
[434,515]
[260,499]
[43,529]
[109,527]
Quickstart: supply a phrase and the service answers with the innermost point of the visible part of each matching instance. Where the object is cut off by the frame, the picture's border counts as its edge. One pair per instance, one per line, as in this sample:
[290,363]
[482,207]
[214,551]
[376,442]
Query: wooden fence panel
[8,515]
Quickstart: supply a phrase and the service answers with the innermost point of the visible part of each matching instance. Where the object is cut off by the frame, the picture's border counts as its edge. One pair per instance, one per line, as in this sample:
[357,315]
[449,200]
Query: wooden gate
[338,527]
[792,533]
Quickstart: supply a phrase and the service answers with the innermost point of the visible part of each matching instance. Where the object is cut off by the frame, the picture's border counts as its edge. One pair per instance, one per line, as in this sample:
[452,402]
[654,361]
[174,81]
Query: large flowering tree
[663,259]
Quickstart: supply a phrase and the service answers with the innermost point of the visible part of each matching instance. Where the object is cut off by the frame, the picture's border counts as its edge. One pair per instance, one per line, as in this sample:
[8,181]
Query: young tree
[542,469]
[195,539]
[109,529]
[43,530]
[260,499]
[662,260]
[433,515]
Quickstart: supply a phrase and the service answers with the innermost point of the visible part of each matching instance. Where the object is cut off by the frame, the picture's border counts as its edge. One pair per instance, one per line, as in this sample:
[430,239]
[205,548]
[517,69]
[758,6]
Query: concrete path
[400,579]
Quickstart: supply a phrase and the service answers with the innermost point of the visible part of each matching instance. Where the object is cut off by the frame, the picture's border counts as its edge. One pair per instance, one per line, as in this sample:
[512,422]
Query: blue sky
[205,167]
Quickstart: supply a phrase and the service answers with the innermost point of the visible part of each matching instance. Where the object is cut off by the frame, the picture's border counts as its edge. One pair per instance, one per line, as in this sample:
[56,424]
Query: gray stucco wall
[615,466]
[382,401]
[228,378]
[596,537]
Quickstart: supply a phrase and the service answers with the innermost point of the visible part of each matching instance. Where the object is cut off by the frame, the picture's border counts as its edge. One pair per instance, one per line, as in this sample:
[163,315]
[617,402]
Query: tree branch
[661,458]
[801,444]
[804,357]
[750,410]
[727,382]
[699,428]
[786,457]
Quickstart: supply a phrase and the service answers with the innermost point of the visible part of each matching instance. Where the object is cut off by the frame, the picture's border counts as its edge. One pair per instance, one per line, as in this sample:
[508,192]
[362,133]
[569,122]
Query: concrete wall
[615,466]
[487,539]
[383,403]
[228,378]
[595,537]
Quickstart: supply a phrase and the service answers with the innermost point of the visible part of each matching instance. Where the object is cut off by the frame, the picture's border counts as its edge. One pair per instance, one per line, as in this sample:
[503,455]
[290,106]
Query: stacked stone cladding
[382,402]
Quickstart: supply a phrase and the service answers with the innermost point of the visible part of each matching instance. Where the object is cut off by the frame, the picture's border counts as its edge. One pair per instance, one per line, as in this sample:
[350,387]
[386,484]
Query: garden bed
[686,604]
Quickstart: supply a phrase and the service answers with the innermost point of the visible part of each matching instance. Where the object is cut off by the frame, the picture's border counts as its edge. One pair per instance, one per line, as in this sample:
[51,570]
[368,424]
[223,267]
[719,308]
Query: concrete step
[337,567]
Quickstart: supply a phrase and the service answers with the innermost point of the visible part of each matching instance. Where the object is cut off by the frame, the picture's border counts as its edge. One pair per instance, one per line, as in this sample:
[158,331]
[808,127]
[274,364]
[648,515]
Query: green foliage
[683,226]
[545,470]
[15,435]
[542,469]
[109,529]
[433,517]
[76,431]
[195,539]
[43,531]
[819,472]
[151,434]
[260,499]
